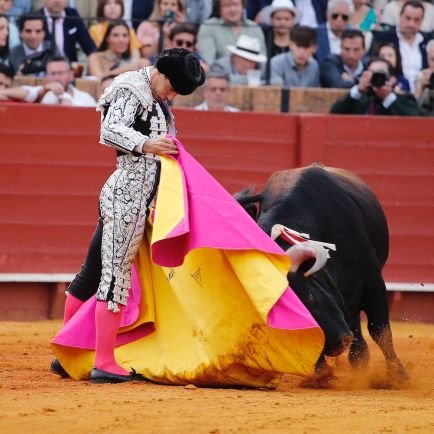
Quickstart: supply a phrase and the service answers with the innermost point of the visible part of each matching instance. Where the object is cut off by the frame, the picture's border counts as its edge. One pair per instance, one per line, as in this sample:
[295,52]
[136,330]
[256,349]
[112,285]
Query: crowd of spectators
[381,51]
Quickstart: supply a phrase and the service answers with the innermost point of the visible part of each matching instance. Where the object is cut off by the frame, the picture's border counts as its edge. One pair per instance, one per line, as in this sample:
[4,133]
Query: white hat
[248,48]
[279,5]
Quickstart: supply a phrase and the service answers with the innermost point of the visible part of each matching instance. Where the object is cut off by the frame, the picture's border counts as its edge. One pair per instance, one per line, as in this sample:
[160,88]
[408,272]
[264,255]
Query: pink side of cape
[210,212]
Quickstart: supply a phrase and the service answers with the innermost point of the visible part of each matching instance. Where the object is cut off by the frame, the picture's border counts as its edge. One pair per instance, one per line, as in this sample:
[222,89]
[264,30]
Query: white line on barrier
[68,277]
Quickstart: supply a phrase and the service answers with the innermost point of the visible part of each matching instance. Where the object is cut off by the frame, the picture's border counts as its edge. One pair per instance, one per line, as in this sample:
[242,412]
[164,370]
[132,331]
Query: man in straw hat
[244,56]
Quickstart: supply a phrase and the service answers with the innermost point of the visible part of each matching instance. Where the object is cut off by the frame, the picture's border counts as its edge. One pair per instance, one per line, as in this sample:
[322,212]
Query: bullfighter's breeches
[124,202]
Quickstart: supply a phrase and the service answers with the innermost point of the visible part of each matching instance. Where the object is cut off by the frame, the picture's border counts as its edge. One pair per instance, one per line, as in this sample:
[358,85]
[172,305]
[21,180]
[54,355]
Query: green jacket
[404,105]
[426,102]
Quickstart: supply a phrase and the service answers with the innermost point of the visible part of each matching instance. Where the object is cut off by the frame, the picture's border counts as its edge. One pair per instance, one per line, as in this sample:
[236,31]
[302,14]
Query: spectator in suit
[408,38]
[374,94]
[244,56]
[216,34]
[85,8]
[58,88]
[392,11]
[280,17]
[343,70]
[297,68]
[65,29]
[389,51]
[6,76]
[339,13]
[31,56]
[216,93]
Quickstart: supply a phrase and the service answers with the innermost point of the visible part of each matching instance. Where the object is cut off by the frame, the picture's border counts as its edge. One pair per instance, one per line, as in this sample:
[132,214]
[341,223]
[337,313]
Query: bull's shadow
[335,206]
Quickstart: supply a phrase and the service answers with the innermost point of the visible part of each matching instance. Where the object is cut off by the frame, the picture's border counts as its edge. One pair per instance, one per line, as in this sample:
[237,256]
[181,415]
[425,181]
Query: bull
[335,206]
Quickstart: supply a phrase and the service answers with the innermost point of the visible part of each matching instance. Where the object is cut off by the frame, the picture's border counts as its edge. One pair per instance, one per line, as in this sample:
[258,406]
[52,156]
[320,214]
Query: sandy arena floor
[34,401]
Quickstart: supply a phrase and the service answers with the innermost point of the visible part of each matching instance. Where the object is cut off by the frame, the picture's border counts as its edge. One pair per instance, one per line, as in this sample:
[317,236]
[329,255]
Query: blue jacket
[323,44]
[74,31]
[331,73]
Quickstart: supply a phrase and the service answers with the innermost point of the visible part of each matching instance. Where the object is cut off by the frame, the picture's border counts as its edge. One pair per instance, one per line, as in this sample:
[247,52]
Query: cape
[209,303]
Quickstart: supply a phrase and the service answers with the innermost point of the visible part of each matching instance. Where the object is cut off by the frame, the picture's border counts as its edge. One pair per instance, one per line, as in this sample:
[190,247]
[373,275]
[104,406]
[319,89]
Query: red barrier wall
[240,150]
[52,169]
[395,156]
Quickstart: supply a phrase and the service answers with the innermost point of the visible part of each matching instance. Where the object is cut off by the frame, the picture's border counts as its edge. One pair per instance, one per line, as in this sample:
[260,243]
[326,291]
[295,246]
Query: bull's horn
[276,230]
[303,251]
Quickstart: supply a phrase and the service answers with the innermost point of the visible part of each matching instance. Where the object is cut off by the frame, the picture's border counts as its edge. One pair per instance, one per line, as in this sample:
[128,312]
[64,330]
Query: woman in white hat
[280,16]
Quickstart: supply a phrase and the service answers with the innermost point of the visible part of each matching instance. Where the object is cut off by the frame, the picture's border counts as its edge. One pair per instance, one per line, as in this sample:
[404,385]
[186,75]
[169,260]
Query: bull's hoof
[397,376]
[321,379]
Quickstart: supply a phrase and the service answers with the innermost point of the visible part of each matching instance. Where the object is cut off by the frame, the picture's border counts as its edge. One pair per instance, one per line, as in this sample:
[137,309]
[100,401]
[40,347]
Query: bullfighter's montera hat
[182,68]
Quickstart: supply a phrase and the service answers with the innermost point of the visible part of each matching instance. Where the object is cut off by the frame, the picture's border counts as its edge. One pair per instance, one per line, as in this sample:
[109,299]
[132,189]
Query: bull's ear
[252,210]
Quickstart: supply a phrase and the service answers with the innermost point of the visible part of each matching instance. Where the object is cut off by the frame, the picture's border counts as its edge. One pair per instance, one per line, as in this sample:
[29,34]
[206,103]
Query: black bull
[335,206]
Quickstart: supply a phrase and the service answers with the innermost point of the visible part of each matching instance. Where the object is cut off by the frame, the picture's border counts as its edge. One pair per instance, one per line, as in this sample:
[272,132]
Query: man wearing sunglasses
[184,35]
[339,13]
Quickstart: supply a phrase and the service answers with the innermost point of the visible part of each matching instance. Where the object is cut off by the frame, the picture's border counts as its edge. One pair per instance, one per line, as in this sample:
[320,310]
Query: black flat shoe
[57,368]
[98,376]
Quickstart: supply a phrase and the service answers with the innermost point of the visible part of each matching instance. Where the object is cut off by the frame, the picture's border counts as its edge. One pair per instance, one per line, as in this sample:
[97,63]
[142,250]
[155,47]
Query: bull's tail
[249,201]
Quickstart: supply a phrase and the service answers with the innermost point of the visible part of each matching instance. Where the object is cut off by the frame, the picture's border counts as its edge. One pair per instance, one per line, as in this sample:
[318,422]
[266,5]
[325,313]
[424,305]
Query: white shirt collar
[417,39]
[358,71]
[48,14]
[29,51]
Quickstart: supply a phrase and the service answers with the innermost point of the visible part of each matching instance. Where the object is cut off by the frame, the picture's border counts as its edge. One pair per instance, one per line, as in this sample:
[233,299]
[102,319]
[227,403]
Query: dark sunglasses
[343,16]
[181,43]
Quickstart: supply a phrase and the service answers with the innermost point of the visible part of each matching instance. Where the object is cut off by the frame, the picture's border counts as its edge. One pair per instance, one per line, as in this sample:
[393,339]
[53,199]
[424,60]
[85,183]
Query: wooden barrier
[313,99]
[52,170]
[266,99]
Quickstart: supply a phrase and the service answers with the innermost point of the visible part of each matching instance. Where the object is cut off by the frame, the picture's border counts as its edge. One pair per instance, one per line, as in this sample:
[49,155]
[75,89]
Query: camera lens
[378,79]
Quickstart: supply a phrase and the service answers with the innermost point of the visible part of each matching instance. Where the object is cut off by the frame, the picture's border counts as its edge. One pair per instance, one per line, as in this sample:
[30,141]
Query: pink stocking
[72,304]
[107,326]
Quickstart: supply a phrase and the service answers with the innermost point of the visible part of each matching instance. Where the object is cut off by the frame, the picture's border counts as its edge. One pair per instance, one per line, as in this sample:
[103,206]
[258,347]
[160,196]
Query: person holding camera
[374,94]
[425,83]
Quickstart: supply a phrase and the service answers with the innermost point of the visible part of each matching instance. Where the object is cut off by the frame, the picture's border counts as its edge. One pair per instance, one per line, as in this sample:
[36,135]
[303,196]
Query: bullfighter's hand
[160,146]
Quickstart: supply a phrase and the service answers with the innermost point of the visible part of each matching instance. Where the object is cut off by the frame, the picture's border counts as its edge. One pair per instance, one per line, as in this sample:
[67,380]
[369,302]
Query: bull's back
[369,205]
[331,204]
